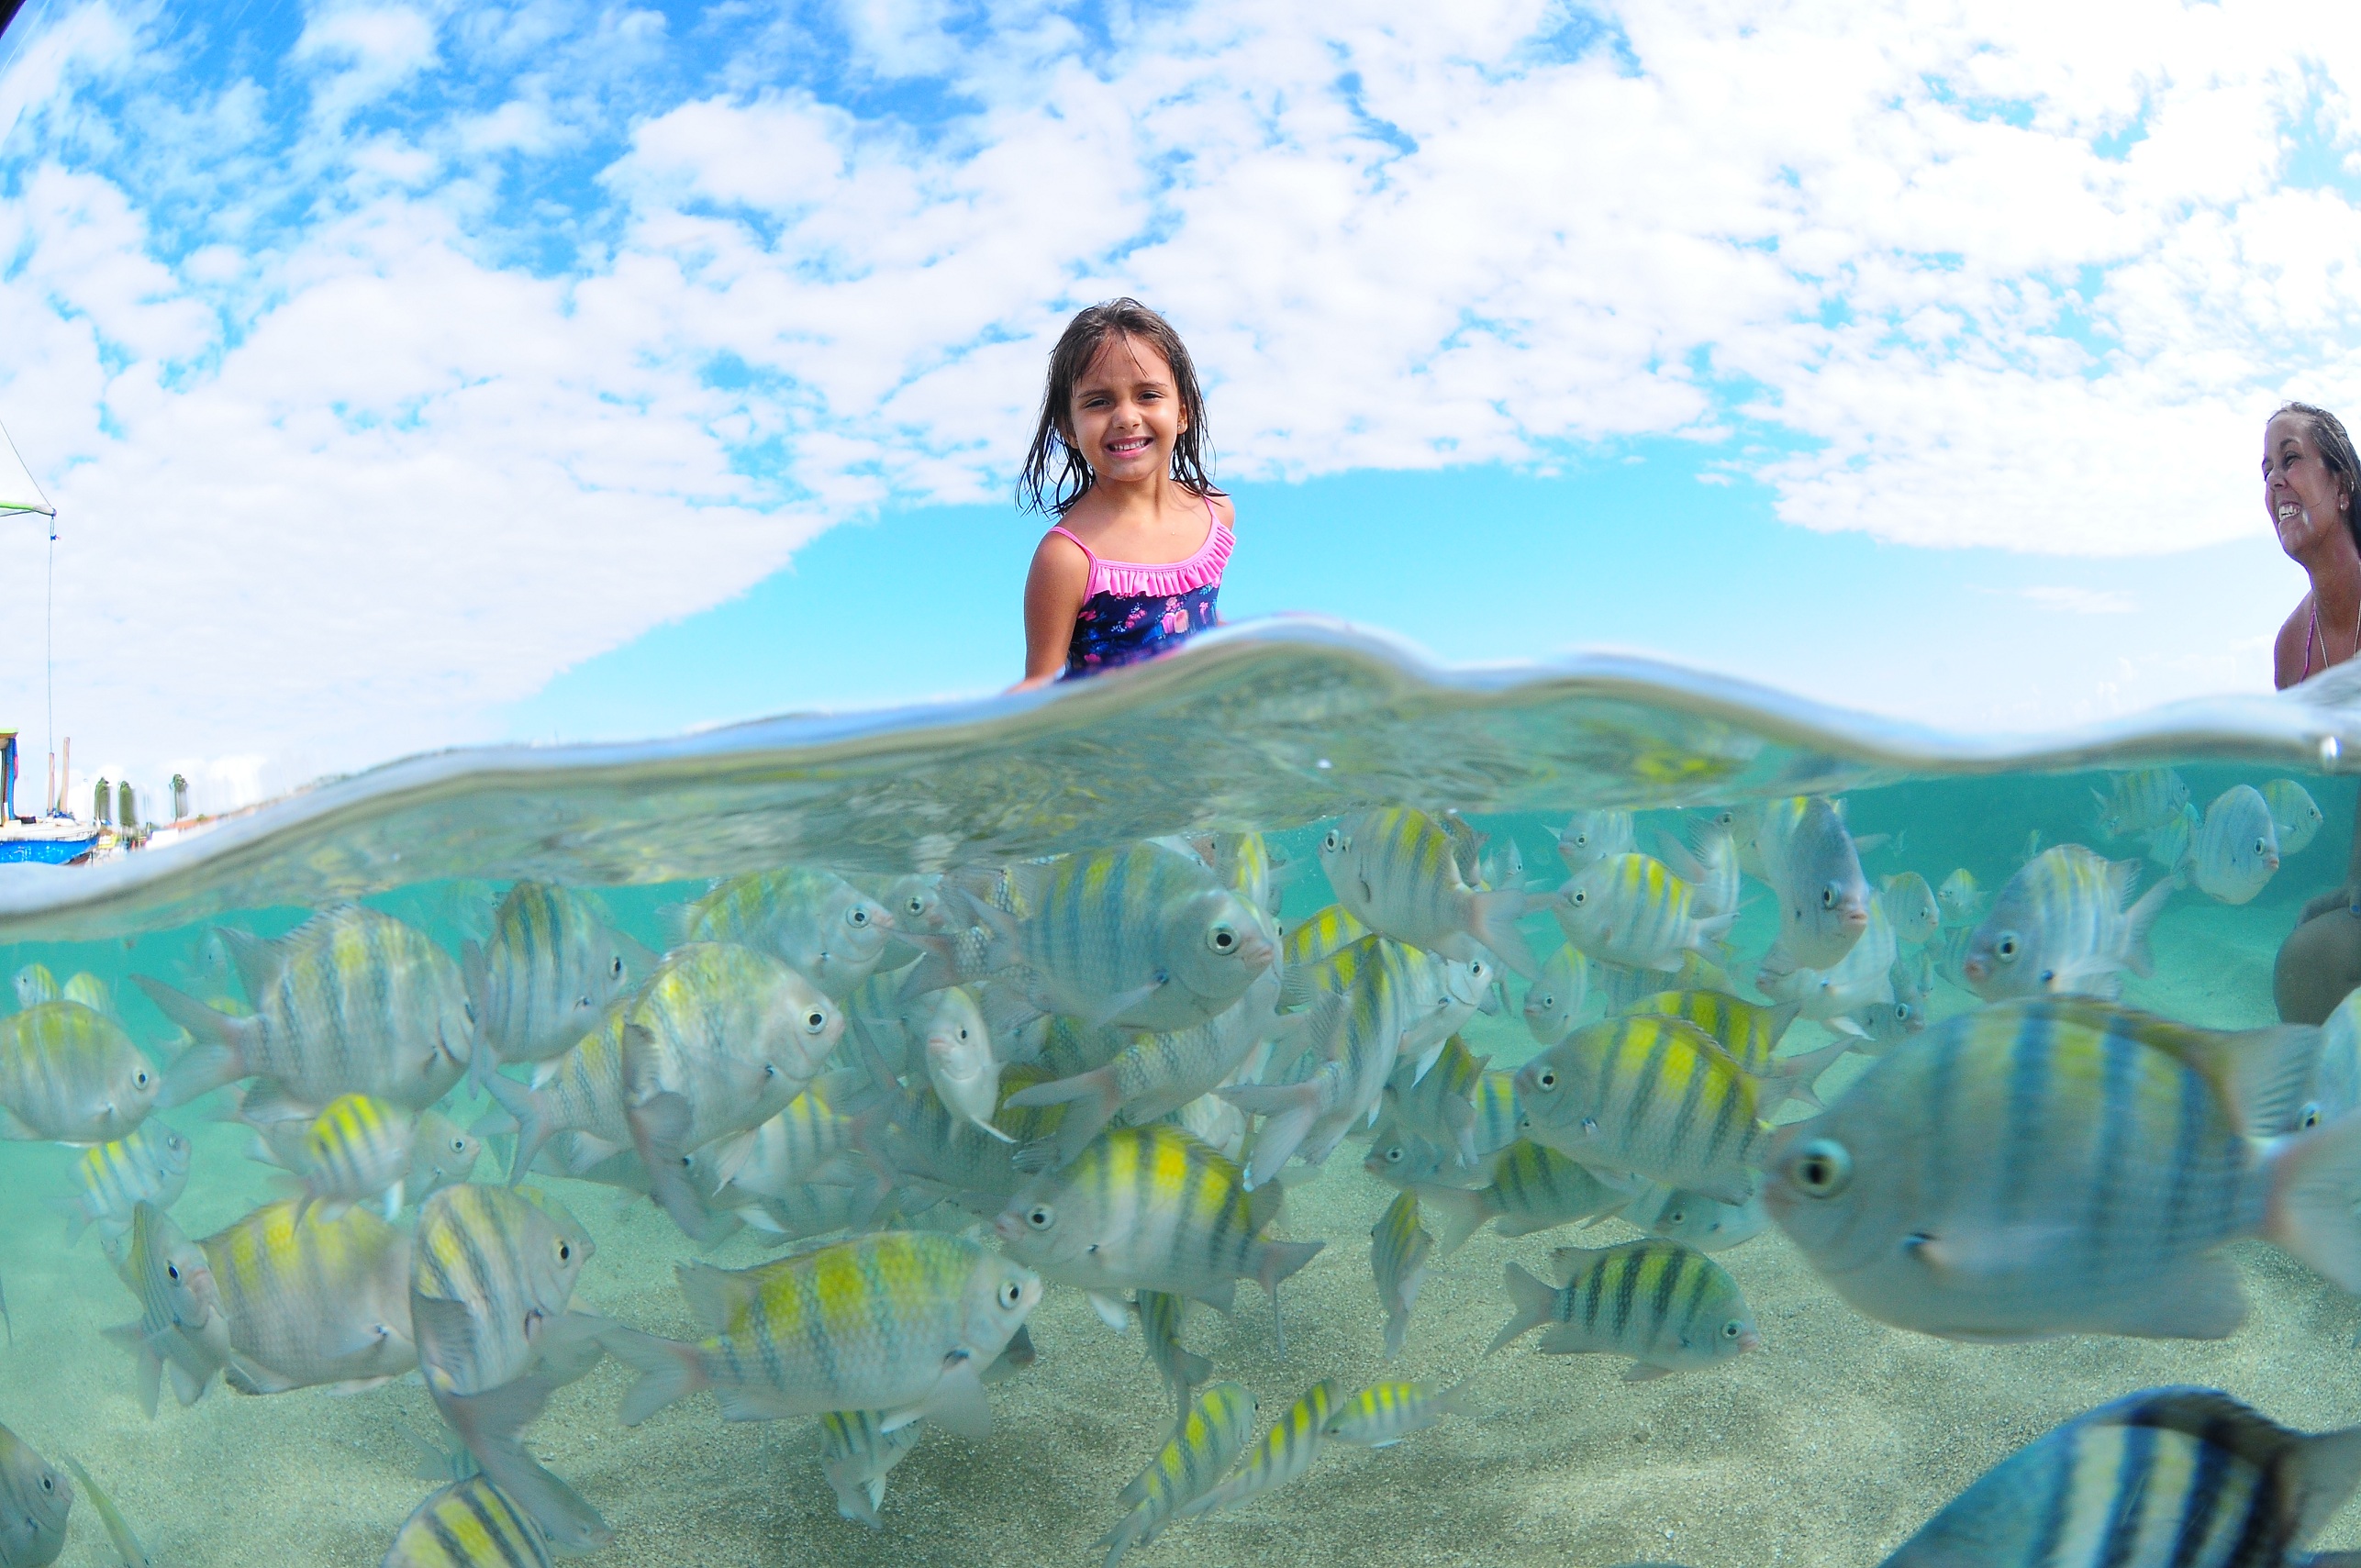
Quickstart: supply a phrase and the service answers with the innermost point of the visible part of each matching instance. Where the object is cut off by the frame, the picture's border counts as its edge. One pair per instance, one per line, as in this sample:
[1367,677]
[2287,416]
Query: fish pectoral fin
[1122,1002]
[1113,1310]
[1645,1371]
[958,1403]
[730,1157]
[1992,1249]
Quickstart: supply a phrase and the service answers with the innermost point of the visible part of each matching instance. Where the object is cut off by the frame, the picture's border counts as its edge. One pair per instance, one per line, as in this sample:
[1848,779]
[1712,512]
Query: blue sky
[411,375]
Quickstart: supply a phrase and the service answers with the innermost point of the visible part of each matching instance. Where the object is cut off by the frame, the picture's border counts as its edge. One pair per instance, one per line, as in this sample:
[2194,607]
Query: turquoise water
[1829,1446]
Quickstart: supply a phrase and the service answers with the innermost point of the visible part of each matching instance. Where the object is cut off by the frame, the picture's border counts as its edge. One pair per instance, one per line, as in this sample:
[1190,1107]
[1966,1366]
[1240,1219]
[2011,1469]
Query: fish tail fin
[1460,1214]
[488,1423]
[217,1054]
[1091,1100]
[1492,919]
[1715,928]
[1797,1074]
[77,1218]
[1532,1299]
[1288,1111]
[2315,1182]
[669,1371]
[1398,1330]
[2139,918]
[535,1126]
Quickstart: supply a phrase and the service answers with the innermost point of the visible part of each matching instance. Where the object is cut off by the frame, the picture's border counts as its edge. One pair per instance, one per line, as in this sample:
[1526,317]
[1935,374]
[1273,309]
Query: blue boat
[55,840]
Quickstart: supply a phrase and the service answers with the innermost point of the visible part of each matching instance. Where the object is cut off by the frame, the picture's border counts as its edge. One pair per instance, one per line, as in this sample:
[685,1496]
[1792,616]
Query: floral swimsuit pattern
[1135,610]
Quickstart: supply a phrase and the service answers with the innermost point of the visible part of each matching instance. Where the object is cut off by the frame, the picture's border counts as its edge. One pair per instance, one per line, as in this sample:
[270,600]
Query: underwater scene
[1283,1105]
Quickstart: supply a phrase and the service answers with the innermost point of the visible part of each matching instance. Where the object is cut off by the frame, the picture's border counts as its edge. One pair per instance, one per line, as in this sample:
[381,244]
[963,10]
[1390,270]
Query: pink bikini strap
[1088,552]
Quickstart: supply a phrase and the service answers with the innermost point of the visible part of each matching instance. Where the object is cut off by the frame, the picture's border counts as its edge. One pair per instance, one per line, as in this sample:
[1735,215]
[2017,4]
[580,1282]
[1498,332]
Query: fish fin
[256,960]
[77,1220]
[1113,1310]
[1492,919]
[669,1371]
[2137,920]
[1801,1071]
[1288,1111]
[1645,1371]
[488,1423]
[1846,1026]
[715,1296]
[215,1055]
[1221,1295]
[2263,1076]
[735,1150]
[2315,1180]
[472,972]
[535,1124]
[1036,1156]
[1282,1259]
[1091,1100]
[660,1131]
[1781,1017]
[1533,1300]
[1460,1214]
[1113,1007]
[958,1403]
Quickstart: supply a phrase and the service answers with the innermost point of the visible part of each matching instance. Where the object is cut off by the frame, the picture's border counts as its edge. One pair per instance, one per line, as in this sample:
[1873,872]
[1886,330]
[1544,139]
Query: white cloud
[372,432]
[2081,601]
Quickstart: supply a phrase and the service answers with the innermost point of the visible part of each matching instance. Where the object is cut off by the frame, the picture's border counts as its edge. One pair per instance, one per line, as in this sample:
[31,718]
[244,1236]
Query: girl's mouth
[1127,446]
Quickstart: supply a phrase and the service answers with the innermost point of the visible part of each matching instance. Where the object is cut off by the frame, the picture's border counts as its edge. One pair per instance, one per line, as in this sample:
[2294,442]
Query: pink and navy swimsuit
[1133,611]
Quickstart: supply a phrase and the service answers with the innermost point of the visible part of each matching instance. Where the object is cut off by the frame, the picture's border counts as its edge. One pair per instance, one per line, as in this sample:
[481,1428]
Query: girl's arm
[1054,594]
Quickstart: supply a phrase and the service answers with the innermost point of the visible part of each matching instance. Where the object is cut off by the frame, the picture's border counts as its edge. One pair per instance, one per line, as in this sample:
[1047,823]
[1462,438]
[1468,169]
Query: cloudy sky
[417,374]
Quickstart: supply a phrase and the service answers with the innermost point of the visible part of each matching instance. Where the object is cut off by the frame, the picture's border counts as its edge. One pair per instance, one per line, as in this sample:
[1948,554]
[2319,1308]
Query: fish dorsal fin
[716,1295]
[2216,1419]
[2123,881]
[1263,1206]
[2261,1074]
[258,960]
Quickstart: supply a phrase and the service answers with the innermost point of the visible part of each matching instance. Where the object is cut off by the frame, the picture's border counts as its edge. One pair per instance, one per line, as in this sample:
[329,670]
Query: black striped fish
[469,1524]
[1162,1316]
[1286,1452]
[553,964]
[857,1449]
[1399,1248]
[2188,1477]
[35,1500]
[1669,1308]
[313,1302]
[1384,1413]
[180,1327]
[1204,1446]
[149,1166]
[2067,1166]
[1650,1094]
[69,1074]
[1534,1187]
[1396,871]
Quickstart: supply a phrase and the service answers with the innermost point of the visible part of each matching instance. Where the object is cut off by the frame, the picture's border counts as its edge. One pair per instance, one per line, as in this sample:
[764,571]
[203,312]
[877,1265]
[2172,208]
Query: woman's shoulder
[2287,648]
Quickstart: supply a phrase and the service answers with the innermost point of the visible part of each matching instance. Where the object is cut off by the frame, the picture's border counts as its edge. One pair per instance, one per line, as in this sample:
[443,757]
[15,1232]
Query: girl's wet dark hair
[1040,490]
[2336,448]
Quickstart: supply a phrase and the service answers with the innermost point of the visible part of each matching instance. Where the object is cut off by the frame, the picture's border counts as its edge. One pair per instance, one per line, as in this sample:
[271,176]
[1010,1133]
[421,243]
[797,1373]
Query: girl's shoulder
[1222,508]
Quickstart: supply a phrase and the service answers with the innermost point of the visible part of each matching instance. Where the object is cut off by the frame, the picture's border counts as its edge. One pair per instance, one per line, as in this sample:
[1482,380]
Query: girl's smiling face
[2305,499]
[1126,413]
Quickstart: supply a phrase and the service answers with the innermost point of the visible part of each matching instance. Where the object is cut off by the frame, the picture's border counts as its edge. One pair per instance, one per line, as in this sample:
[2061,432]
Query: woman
[2309,475]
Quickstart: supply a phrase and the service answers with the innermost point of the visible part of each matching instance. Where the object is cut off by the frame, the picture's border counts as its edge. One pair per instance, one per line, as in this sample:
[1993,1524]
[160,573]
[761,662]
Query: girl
[1134,565]
[2309,473]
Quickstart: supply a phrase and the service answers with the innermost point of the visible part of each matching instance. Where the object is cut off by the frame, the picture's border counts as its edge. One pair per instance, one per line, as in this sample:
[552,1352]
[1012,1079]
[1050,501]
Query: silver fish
[813,920]
[2062,925]
[858,1449]
[69,1075]
[1589,837]
[1811,863]
[2236,849]
[553,964]
[1556,996]
[181,1327]
[1395,871]
[1669,1308]
[1201,1448]
[1911,907]
[313,1302]
[2140,801]
[149,1166]
[1399,1248]
[2294,813]
[35,1499]
[2067,1166]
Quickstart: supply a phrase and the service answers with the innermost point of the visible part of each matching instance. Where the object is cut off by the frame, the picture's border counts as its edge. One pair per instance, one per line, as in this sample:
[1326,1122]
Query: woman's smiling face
[2301,494]
[1126,412]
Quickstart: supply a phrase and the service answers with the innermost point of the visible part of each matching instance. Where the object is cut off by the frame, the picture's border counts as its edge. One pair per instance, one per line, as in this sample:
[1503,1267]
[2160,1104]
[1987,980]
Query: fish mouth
[1008,1228]
[1975,969]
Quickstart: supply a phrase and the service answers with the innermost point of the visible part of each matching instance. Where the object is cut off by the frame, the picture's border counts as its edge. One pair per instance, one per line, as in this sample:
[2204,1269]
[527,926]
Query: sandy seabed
[1829,1446]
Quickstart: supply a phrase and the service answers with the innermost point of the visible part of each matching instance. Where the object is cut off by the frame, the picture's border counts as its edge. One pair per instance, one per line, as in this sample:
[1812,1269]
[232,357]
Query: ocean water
[1829,1445]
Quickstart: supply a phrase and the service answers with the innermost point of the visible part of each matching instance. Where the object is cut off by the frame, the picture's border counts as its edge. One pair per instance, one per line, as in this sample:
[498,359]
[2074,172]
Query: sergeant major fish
[2061,925]
[554,962]
[69,1075]
[1667,1307]
[1384,1413]
[1650,1094]
[1632,910]
[1556,995]
[2236,848]
[1811,863]
[815,921]
[2140,801]
[1399,1248]
[1199,1451]
[35,1501]
[2294,814]
[857,1450]
[469,1524]
[1395,871]
[1286,1452]
[150,1165]
[1589,837]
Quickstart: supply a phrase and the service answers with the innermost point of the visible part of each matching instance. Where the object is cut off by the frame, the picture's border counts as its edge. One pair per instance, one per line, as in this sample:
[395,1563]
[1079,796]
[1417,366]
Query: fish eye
[2309,1116]
[2260,846]
[1221,938]
[565,1252]
[962,1031]
[1011,1294]
[1040,1217]
[1392,1154]
[173,1272]
[1579,898]
[1545,1001]
[1546,1079]
[1901,1012]
[1822,1167]
[916,906]
[49,1481]
[616,968]
[1732,1329]
[1828,898]
[1331,841]
[1677,1217]
[814,1021]
[2006,948]
[140,1077]
[859,917]
[459,1146]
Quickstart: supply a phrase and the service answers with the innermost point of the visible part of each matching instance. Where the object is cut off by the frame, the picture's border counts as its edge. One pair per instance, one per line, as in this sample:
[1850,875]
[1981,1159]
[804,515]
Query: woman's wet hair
[2335,449]
[1040,490]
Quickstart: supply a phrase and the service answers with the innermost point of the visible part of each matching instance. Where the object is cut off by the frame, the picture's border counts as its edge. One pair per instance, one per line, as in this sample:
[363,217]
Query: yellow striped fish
[1399,1248]
[1396,871]
[2295,816]
[1384,1413]
[1751,1034]
[1316,935]
[1669,1308]
[899,1321]
[1286,1452]
[69,1075]
[1204,1445]
[356,1150]
[1589,837]
[1161,1314]
[149,1165]
[313,1302]
[90,991]
[349,1000]
[827,929]
[2185,1477]
[1146,937]
[469,1524]
[554,962]
[1150,1207]
[35,985]
[1909,905]
[1621,987]
[1534,1187]
[1556,995]
[2065,923]
[1632,910]
[1651,1095]
[180,1327]
[1439,1106]
[857,1449]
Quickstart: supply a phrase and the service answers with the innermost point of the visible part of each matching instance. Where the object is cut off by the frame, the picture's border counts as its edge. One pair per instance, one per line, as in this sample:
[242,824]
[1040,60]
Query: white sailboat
[51,836]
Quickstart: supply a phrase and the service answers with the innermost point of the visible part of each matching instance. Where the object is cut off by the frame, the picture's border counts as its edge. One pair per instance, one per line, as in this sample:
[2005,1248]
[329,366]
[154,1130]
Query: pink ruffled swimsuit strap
[1138,578]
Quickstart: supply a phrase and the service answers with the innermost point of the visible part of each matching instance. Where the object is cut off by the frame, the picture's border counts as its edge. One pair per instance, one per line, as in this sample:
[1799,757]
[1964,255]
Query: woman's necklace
[2313,634]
